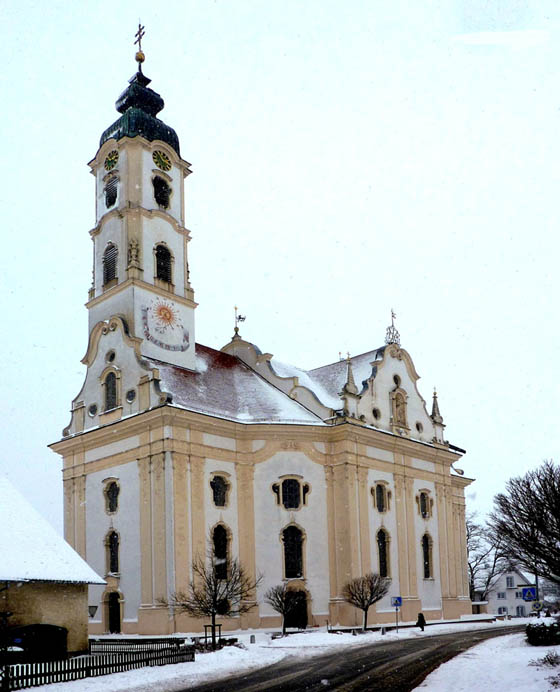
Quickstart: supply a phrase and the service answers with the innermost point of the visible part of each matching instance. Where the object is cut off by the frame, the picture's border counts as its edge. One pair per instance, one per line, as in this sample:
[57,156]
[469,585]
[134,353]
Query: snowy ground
[499,665]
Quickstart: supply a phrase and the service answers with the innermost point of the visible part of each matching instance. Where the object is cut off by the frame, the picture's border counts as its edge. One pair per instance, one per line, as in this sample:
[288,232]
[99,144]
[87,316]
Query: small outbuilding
[42,578]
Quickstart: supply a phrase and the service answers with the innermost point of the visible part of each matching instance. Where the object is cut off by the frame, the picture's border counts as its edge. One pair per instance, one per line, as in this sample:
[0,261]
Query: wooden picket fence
[23,675]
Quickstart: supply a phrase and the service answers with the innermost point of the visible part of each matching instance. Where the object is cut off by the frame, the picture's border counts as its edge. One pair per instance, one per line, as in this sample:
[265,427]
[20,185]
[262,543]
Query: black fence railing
[24,675]
[109,646]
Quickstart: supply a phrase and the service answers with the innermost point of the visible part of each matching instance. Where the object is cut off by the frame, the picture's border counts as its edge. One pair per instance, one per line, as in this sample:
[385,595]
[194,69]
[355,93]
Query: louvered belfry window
[111,192]
[293,552]
[162,192]
[110,257]
[110,391]
[163,263]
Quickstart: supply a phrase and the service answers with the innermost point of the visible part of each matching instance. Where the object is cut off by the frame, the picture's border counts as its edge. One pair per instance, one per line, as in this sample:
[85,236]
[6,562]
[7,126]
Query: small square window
[501,594]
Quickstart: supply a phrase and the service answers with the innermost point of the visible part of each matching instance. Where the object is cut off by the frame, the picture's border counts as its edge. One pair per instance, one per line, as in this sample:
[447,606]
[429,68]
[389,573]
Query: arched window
[113,552]
[163,263]
[293,552]
[383,556]
[291,497]
[220,548]
[162,191]
[110,257]
[219,487]
[427,556]
[110,391]
[112,491]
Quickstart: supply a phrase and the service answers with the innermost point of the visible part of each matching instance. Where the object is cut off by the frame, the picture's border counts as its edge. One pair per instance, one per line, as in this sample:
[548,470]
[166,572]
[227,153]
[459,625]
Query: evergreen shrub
[544,634]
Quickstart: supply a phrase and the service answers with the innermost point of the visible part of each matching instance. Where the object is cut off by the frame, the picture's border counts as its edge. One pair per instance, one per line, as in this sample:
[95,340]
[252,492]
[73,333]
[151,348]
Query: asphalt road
[392,667]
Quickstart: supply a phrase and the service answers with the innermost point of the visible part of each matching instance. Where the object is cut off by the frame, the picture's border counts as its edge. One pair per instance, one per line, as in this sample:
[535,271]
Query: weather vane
[238,319]
[140,57]
[392,336]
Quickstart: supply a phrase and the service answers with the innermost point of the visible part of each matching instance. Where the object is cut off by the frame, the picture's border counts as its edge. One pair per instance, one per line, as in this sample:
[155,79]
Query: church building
[177,450]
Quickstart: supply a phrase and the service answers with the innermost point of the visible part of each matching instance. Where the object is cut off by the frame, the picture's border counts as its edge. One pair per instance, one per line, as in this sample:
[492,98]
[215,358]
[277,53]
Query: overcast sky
[348,157]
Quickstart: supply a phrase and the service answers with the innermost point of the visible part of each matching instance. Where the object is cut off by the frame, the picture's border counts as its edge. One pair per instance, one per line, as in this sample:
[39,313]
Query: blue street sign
[529,593]
[396,601]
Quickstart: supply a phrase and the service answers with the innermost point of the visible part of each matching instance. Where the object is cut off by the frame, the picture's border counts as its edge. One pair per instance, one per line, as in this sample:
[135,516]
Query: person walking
[421,622]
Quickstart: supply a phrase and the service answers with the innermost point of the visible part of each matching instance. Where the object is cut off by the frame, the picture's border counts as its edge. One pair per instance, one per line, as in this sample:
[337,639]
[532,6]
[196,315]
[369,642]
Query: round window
[376,413]
[397,380]
[131,395]
[110,357]
[92,410]
[419,426]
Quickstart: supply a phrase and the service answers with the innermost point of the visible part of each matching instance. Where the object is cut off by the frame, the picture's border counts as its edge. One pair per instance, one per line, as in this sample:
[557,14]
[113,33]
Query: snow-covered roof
[31,549]
[332,377]
[327,398]
[225,387]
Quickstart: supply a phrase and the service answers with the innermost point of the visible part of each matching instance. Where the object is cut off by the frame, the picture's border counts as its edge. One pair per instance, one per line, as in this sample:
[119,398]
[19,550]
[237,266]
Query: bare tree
[526,518]
[363,592]
[486,559]
[209,595]
[277,597]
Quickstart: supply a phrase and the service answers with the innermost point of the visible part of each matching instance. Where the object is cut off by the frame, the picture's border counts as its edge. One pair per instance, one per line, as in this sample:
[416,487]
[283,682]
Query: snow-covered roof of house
[31,549]
[225,387]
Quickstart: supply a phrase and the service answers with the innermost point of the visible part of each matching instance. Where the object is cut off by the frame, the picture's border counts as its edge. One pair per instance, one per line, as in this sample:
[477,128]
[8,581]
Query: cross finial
[139,35]
[393,316]
[140,57]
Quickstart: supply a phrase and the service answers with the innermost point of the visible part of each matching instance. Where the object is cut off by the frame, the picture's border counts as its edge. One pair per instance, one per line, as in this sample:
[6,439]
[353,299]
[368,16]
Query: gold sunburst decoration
[165,315]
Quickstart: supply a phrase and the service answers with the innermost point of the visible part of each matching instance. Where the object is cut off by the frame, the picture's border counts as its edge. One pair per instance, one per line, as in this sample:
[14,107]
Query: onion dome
[139,107]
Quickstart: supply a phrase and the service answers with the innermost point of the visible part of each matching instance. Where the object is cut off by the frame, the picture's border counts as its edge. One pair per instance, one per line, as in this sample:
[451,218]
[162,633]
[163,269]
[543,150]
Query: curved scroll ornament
[163,327]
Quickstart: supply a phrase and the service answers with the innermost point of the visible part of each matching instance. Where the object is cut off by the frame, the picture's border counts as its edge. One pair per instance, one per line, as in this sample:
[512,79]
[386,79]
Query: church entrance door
[297,612]
[114,607]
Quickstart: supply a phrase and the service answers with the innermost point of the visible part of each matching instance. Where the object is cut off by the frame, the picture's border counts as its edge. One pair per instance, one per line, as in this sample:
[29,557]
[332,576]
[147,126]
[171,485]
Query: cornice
[121,212]
[140,284]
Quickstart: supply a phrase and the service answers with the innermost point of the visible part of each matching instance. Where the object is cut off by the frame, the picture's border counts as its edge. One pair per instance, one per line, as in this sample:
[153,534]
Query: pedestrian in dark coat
[421,622]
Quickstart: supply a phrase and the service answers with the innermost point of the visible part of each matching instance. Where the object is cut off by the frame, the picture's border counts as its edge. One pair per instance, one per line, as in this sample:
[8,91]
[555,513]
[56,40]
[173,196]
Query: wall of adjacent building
[51,603]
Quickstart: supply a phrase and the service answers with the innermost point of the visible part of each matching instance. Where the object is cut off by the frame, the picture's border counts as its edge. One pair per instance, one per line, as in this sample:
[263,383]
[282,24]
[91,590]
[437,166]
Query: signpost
[529,593]
[396,602]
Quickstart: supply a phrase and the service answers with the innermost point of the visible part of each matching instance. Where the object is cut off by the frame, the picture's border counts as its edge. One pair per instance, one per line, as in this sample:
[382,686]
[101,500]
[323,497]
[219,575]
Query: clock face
[161,160]
[111,159]
[163,326]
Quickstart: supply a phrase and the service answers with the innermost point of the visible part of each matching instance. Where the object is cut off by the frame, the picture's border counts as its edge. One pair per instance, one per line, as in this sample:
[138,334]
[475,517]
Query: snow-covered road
[499,665]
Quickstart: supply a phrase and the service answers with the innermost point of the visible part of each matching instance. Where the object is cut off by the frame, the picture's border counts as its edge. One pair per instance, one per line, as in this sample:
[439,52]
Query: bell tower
[140,242]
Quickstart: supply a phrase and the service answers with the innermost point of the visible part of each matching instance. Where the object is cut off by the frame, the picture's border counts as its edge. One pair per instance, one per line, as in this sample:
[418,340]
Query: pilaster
[443,539]
[181,522]
[246,523]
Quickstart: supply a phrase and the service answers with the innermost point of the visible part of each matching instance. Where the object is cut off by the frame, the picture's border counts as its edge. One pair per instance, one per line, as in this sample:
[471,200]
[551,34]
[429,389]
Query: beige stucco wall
[50,603]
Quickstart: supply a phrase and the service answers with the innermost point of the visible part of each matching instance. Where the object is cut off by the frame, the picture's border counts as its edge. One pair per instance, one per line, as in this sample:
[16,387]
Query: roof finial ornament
[392,336]
[140,57]
[350,385]
[436,415]
[238,318]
